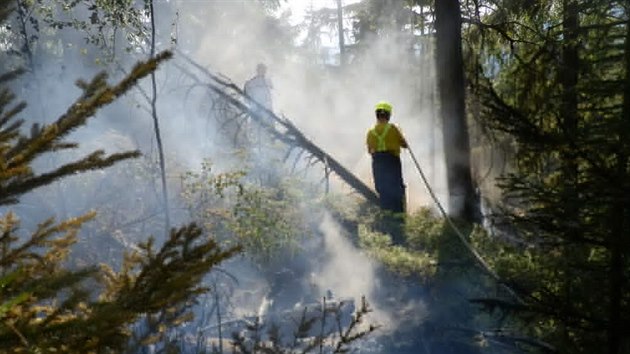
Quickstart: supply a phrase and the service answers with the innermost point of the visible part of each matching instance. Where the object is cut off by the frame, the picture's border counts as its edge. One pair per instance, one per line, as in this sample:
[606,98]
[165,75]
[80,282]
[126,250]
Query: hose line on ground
[461,236]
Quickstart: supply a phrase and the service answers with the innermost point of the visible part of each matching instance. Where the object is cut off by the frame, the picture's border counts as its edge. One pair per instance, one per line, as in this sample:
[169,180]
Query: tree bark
[463,202]
[156,128]
[342,46]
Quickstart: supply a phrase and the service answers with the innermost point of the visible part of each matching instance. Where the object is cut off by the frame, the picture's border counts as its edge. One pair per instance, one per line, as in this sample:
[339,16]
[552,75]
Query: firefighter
[384,142]
[258,88]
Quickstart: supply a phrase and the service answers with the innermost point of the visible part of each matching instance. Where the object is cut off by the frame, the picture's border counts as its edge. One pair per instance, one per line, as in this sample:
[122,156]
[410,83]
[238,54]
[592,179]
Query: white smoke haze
[347,271]
[336,112]
[332,108]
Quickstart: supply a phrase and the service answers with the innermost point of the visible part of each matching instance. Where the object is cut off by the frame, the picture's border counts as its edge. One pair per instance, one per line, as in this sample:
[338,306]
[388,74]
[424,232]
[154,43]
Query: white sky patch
[299,8]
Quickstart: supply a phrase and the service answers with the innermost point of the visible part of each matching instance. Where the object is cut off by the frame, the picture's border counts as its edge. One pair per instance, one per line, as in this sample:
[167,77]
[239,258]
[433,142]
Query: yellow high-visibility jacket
[385,137]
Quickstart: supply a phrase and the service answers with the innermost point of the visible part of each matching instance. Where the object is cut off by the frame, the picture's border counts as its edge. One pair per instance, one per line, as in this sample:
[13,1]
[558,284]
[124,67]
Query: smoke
[347,272]
[334,108]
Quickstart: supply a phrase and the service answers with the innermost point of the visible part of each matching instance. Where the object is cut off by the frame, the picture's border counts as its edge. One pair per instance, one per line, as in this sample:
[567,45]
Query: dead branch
[283,129]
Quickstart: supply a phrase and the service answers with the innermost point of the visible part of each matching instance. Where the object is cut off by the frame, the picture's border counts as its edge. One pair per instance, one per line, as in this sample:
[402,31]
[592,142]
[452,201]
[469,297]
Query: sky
[299,7]
[297,10]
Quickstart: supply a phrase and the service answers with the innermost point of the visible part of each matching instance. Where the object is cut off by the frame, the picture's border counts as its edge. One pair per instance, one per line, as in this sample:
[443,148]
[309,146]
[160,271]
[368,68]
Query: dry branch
[283,130]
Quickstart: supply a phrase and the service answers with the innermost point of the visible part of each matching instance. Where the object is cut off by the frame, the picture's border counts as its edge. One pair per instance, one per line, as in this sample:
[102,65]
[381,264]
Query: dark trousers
[387,173]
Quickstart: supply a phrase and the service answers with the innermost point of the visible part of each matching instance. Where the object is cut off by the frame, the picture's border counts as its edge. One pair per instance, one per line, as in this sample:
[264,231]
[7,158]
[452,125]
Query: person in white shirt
[258,88]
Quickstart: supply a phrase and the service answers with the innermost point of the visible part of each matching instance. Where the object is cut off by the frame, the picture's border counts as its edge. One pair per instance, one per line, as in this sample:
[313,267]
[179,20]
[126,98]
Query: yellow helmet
[383,106]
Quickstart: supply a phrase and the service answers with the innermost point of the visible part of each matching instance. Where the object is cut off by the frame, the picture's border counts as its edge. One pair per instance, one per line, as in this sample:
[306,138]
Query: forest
[151,203]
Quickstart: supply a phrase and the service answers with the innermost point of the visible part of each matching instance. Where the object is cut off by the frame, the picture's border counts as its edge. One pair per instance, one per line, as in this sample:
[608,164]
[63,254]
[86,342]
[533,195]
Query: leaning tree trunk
[463,202]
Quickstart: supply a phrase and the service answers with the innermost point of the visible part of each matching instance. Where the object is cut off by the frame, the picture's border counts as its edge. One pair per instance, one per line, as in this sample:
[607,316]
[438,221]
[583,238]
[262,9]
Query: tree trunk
[463,202]
[342,46]
[156,128]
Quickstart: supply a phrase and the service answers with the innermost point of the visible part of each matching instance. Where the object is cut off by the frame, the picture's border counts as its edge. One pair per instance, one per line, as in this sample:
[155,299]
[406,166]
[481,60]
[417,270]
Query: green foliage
[553,77]
[266,221]
[429,242]
[423,233]
[60,313]
[424,229]
[399,259]
[39,25]
[17,151]
[46,306]
[434,258]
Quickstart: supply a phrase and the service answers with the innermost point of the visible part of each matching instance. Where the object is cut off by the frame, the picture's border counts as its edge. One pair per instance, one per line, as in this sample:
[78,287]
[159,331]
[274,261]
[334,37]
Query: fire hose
[485,267]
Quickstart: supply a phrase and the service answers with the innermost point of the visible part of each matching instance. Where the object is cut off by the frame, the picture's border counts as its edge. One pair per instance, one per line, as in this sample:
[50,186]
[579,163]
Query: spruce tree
[556,82]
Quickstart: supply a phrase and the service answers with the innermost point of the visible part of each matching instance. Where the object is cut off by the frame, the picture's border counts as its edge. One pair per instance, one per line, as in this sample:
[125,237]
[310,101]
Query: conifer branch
[39,238]
[94,161]
[45,305]
[18,151]
[96,94]
[11,75]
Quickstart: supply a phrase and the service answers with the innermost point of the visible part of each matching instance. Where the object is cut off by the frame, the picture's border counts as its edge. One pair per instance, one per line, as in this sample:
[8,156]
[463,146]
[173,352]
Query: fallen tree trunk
[285,131]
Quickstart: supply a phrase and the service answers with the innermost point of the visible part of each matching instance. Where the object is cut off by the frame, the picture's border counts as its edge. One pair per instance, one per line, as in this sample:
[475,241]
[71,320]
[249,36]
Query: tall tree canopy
[553,76]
